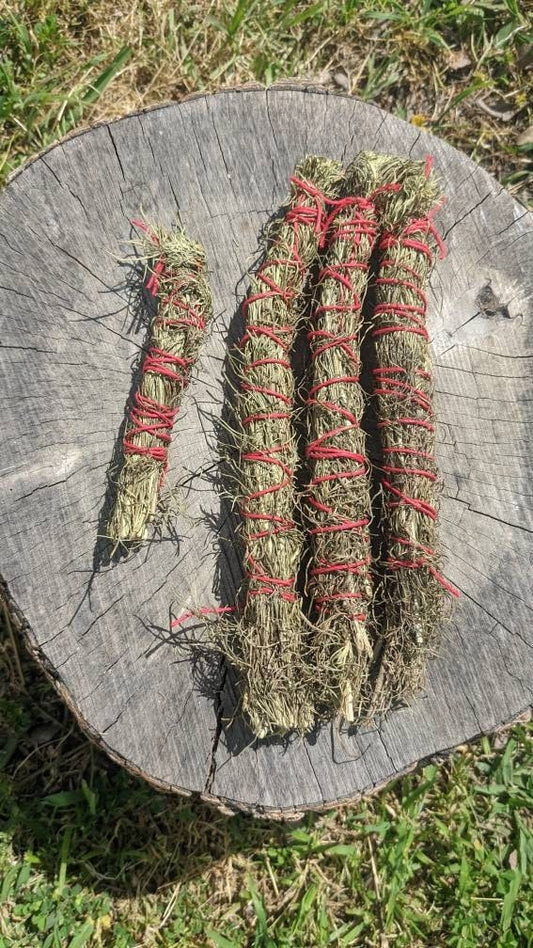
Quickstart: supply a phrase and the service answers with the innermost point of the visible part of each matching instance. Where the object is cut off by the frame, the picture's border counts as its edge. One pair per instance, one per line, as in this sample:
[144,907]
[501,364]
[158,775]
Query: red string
[419,505]
[148,417]
[333,340]
[205,611]
[423,564]
[308,211]
[391,382]
[140,225]
[270,584]
[399,388]
[301,213]
[339,527]
[160,363]
[253,330]
[264,416]
[356,567]
[340,379]
[153,283]
[358,225]
[339,596]
[421,422]
[265,390]
[417,471]
[402,450]
[258,362]
[192,317]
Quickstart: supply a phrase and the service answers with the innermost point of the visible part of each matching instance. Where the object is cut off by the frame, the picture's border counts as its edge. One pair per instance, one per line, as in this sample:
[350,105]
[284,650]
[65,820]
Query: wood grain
[68,343]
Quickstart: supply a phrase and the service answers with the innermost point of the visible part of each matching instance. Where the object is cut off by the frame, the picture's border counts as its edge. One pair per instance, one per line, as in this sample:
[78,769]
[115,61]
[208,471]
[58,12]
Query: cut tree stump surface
[68,344]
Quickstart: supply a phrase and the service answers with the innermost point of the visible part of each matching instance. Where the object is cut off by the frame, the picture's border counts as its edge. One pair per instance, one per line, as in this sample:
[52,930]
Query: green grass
[91,856]
[437,63]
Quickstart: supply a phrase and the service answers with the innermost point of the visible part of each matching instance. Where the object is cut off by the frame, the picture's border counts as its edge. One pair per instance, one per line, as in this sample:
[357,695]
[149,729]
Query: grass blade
[100,84]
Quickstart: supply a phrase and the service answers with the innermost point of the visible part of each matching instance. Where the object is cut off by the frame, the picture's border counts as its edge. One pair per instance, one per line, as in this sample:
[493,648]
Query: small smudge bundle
[178,280]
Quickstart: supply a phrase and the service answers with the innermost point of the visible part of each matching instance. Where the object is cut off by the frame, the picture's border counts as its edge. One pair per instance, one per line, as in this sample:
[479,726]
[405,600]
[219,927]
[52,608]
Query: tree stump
[68,344]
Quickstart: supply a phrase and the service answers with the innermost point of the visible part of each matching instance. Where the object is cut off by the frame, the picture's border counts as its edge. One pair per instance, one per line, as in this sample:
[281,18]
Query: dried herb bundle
[265,644]
[178,277]
[338,498]
[414,592]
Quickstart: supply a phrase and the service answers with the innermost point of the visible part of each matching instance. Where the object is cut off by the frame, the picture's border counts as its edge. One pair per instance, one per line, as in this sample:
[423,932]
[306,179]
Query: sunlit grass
[439,63]
[92,856]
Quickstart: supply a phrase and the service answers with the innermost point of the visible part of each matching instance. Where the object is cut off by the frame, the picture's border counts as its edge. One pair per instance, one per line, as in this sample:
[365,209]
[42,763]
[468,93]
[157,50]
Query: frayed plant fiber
[178,277]
[265,644]
[338,505]
[413,592]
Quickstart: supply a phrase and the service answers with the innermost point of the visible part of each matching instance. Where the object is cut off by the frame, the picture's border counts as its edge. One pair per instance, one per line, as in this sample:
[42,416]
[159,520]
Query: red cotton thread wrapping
[338,508]
[414,592]
[178,278]
[265,644]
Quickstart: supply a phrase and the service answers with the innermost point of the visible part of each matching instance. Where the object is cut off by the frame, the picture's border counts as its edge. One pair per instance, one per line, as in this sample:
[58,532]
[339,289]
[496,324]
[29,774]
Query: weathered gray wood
[67,347]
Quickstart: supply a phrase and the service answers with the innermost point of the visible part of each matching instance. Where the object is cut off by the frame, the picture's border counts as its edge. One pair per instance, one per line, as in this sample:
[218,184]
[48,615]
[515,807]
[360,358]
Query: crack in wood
[65,186]
[115,149]
[484,514]
[219,712]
